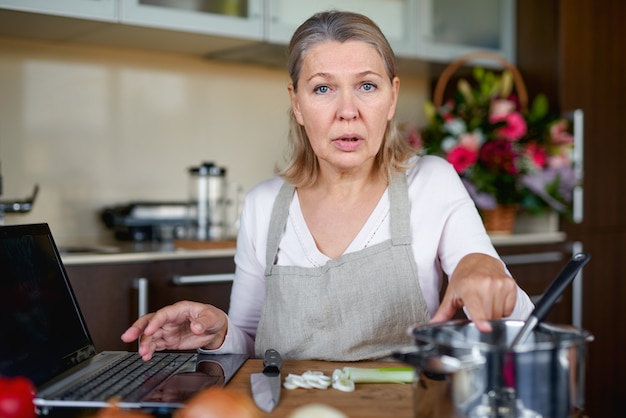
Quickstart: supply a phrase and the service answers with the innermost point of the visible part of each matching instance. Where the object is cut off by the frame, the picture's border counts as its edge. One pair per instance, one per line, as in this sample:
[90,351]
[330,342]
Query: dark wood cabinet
[112,295]
[574,51]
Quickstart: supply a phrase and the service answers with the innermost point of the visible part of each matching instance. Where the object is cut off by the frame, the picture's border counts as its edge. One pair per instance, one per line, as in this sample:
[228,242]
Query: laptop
[45,338]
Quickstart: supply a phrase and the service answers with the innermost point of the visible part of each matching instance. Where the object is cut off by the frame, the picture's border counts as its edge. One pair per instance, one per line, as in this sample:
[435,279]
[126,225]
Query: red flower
[462,158]
[499,155]
[537,155]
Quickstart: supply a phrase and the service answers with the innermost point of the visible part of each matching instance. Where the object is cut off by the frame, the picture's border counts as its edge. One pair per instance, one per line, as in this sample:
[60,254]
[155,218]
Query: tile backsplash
[98,126]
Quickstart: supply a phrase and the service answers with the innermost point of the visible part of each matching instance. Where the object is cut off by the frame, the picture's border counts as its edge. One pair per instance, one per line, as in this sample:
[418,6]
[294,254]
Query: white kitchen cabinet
[257,31]
[448,29]
[431,30]
[105,10]
[234,18]
[396,18]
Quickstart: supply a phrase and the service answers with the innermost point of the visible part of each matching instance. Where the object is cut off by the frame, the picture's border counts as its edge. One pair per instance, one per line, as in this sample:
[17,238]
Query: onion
[216,402]
[317,411]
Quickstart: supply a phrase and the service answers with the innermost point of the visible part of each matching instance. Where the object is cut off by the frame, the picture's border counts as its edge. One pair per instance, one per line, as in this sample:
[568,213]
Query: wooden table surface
[374,400]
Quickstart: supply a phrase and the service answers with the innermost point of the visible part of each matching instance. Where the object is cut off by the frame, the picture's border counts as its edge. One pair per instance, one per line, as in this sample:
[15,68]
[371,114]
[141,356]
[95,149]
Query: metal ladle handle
[551,295]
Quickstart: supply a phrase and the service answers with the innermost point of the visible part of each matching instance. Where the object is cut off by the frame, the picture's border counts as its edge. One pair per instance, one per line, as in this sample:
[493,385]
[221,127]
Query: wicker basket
[447,73]
[500,220]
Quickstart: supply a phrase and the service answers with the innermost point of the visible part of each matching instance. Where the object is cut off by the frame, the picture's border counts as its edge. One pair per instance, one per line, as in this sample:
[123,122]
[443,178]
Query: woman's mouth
[348,142]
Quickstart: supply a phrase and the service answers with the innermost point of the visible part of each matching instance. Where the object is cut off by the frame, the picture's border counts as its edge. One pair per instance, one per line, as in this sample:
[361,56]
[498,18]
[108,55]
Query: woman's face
[344,101]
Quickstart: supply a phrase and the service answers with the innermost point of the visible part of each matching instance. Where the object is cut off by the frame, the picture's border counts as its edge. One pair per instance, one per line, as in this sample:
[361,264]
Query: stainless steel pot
[462,372]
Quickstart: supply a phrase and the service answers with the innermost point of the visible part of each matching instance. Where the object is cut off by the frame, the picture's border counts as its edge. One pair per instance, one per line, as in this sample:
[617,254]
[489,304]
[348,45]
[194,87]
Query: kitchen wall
[96,126]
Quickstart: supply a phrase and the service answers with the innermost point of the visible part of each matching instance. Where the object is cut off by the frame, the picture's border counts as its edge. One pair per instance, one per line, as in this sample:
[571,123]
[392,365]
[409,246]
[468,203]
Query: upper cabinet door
[105,10]
[234,18]
[394,17]
[450,28]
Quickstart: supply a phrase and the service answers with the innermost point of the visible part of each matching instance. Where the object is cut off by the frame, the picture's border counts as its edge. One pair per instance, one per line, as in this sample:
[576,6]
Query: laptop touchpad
[182,386]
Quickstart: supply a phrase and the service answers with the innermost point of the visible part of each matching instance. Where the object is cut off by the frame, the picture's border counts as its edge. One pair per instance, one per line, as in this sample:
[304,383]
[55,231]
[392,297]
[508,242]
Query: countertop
[126,252]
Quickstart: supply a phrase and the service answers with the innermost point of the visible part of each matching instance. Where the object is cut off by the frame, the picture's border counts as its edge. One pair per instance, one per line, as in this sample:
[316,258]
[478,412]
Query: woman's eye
[368,86]
[321,89]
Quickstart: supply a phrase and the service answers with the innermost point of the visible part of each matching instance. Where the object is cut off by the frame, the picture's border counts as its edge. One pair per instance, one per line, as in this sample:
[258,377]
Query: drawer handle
[203,278]
[531,258]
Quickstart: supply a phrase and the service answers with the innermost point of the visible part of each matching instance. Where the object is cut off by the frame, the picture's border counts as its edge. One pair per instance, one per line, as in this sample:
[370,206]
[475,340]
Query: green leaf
[430,111]
[479,73]
[466,90]
[539,107]
[507,84]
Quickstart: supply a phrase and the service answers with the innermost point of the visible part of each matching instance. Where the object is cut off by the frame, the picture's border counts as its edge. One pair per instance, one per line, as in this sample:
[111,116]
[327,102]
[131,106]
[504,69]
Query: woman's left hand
[481,285]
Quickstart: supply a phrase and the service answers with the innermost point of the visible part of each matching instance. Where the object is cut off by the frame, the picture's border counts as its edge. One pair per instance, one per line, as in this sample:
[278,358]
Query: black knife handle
[556,288]
[272,361]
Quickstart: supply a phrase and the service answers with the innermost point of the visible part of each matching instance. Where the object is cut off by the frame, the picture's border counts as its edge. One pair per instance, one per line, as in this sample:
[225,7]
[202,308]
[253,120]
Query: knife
[266,385]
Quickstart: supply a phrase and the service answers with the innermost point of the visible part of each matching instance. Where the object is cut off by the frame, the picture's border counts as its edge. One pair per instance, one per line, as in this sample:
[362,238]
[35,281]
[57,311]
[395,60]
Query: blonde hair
[302,167]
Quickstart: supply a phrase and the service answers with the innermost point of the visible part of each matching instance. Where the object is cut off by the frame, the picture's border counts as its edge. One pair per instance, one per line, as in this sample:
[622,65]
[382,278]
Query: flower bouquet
[507,153]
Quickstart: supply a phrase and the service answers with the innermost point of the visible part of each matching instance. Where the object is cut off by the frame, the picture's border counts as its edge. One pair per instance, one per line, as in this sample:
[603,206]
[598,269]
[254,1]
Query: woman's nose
[347,108]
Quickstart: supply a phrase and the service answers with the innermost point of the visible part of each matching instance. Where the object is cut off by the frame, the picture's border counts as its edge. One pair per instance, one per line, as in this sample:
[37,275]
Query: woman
[342,251]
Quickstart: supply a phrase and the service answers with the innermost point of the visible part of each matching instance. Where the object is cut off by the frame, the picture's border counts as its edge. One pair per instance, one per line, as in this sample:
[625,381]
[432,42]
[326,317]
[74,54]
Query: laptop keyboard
[128,379]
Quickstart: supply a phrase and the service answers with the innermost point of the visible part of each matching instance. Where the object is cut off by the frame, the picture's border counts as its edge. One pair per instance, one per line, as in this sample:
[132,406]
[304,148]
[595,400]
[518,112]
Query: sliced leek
[346,379]
[380,375]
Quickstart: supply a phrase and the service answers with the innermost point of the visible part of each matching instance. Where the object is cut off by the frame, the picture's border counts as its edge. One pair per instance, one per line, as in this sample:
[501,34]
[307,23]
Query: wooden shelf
[528,239]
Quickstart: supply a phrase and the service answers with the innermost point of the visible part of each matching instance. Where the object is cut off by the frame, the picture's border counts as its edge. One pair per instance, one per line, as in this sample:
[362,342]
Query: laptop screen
[43,333]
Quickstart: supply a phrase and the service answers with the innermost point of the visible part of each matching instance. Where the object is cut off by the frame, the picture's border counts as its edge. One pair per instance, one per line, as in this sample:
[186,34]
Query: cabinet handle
[202,278]
[578,118]
[532,258]
[141,284]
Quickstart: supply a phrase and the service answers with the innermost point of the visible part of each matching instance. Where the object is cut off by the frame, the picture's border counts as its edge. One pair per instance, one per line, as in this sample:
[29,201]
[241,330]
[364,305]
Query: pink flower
[414,138]
[559,133]
[537,155]
[502,107]
[470,141]
[462,158]
[515,127]
[560,159]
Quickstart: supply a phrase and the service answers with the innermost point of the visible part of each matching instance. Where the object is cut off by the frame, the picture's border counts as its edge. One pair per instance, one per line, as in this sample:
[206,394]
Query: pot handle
[414,359]
[426,359]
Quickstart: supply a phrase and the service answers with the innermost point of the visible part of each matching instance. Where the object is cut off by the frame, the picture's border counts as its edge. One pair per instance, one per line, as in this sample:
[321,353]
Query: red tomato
[16,398]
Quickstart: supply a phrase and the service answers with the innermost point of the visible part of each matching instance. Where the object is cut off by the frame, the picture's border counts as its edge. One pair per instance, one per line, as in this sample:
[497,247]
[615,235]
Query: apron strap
[278,221]
[400,212]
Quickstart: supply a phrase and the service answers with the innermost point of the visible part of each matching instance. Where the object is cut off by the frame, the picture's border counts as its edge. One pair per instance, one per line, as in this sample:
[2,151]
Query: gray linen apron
[356,307]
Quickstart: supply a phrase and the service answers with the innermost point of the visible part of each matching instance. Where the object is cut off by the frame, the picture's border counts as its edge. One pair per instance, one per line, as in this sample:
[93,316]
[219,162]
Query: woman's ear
[293,97]
[395,85]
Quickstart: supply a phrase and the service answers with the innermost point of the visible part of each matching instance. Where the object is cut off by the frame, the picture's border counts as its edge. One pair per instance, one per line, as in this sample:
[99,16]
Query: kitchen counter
[126,252]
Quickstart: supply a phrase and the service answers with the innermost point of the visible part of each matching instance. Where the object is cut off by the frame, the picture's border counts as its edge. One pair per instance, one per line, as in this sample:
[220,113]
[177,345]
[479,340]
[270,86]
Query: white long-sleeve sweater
[445,226]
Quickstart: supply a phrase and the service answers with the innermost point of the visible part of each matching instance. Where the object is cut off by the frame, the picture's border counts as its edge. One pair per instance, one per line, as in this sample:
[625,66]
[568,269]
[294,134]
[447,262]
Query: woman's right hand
[182,326]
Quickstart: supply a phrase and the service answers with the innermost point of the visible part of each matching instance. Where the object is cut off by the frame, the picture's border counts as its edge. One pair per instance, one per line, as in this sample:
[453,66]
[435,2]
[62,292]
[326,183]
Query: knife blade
[266,385]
